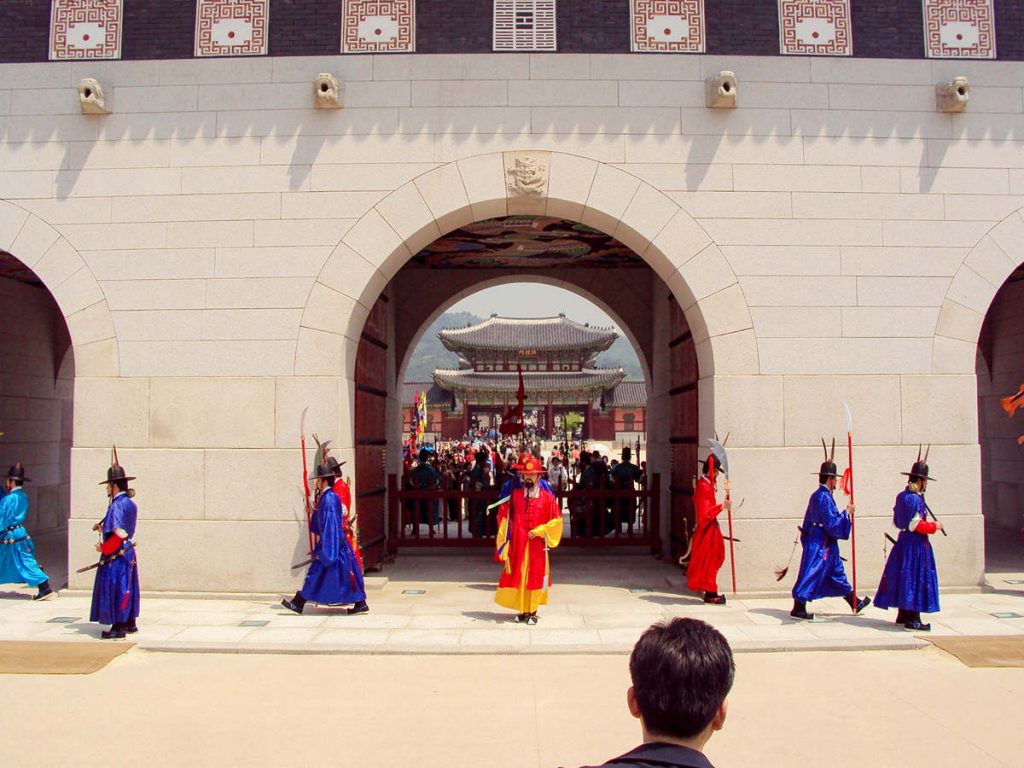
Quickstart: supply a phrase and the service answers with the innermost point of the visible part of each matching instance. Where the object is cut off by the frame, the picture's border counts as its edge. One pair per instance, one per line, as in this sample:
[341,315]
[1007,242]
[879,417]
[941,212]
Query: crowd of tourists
[488,466]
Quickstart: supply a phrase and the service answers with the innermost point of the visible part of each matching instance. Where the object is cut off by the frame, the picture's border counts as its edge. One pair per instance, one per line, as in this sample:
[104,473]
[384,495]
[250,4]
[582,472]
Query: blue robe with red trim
[910,581]
[821,569]
[115,593]
[334,576]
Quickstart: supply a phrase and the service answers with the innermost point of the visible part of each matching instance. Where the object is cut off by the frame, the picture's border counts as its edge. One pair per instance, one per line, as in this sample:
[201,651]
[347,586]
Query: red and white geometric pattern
[667,25]
[959,29]
[232,27]
[525,25]
[815,27]
[378,26]
[85,29]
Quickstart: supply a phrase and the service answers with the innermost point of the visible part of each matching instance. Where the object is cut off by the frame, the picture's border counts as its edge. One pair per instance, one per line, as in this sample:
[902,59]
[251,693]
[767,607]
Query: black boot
[857,605]
[44,591]
[800,610]
[360,607]
[116,632]
[130,627]
[914,624]
[714,598]
[296,604]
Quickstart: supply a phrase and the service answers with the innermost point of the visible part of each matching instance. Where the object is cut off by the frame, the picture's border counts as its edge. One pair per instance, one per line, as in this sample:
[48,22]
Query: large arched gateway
[653,290]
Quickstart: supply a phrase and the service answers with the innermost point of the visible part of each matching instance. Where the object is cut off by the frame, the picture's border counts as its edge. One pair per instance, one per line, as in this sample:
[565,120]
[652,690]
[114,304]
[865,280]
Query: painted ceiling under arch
[534,242]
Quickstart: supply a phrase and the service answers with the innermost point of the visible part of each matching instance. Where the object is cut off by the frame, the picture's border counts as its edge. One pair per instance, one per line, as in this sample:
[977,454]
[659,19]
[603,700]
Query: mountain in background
[430,353]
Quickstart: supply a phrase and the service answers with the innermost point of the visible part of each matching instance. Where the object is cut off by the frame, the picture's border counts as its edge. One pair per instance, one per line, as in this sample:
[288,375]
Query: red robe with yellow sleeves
[526,576]
[708,551]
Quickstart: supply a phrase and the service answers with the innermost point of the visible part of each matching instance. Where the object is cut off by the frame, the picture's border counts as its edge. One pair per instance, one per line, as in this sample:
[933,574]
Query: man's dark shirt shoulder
[659,755]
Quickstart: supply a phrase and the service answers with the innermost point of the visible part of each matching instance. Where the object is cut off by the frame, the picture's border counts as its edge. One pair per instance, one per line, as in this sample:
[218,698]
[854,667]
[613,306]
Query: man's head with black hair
[682,672]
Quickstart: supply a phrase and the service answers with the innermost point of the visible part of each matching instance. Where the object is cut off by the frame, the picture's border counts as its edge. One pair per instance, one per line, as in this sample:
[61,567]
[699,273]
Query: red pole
[732,554]
[853,526]
[305,486]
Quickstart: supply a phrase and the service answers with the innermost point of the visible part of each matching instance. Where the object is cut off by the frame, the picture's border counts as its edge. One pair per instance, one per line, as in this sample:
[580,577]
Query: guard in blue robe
[821,567]
[910,582]
[115,593]
[17,552]
[334,576]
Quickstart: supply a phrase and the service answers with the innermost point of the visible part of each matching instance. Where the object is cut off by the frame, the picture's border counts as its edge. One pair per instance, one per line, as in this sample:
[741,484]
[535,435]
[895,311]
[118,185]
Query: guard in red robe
[529,524]
[708,551]
[349,523]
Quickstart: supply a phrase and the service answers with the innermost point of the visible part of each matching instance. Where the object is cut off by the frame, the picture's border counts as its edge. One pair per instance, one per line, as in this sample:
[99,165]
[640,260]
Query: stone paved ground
[445,605]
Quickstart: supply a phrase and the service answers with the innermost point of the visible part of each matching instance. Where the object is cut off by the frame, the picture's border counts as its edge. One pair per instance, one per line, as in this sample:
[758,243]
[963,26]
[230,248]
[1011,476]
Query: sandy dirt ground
[878,708]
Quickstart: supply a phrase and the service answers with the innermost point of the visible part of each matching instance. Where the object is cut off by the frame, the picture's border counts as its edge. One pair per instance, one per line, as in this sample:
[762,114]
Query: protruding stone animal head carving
[90,97]
[326,91]
[721,90]
[954,95]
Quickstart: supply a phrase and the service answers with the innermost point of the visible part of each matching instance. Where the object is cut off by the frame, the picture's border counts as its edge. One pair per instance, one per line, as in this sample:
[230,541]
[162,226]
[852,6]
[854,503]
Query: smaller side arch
[70,281]
[971,292]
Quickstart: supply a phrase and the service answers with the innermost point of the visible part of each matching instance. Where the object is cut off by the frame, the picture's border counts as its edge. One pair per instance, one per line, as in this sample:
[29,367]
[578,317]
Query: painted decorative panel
[86,29]
[815,28]
[959,29]
[667,26]
[525,25]
[378,26]
[232,27]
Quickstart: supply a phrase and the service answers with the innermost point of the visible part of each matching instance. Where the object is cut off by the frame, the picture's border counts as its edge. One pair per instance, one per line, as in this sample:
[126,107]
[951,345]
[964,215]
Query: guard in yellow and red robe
[529,524]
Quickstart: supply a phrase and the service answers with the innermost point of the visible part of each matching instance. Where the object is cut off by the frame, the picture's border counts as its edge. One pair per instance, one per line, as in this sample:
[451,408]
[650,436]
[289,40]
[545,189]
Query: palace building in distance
[557,359]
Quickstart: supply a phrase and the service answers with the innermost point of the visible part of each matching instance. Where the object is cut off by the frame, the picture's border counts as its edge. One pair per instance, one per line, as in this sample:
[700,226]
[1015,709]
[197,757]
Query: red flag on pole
[512,420]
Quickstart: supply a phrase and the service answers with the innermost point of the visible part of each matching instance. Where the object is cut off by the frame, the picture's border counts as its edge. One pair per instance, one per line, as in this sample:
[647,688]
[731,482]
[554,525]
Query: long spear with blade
[305,478]
[847,485]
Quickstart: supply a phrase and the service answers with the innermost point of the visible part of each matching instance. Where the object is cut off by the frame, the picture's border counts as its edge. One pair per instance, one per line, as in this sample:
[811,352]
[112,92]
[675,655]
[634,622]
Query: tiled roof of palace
[632,392]
[512,333]
[435,395]
[535,383]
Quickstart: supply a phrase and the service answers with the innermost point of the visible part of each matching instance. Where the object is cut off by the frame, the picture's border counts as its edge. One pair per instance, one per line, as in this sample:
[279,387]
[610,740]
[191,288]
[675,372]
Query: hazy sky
[533,300]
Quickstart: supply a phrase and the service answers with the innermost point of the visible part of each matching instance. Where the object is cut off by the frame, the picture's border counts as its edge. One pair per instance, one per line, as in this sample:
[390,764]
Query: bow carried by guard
[821,567]
[707,548]
[115,592]
[910,582]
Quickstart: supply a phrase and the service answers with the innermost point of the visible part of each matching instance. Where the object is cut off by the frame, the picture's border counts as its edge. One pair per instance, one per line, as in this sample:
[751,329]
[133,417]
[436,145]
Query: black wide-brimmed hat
[17,472]
[920,468]
[323,472]
[828,469]
[116,471]
[335,465]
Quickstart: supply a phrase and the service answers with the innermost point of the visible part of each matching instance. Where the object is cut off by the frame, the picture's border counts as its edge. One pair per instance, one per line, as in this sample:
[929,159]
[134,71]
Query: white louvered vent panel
[524,25]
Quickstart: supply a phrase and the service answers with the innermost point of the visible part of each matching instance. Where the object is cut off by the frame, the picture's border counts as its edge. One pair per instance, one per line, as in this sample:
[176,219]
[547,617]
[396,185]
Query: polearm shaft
[928,510]
[305,478]
[732,554]
[853,522]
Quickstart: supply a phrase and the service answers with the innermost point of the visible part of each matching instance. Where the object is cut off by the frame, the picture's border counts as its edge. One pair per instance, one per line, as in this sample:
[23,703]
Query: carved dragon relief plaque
[526,181]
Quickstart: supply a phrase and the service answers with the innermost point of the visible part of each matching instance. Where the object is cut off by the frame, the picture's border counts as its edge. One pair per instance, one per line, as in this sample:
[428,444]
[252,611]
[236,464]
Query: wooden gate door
[683,431]
[371,433]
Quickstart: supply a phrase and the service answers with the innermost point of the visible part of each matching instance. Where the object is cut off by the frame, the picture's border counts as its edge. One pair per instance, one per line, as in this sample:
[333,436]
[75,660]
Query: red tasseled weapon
[305,478]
